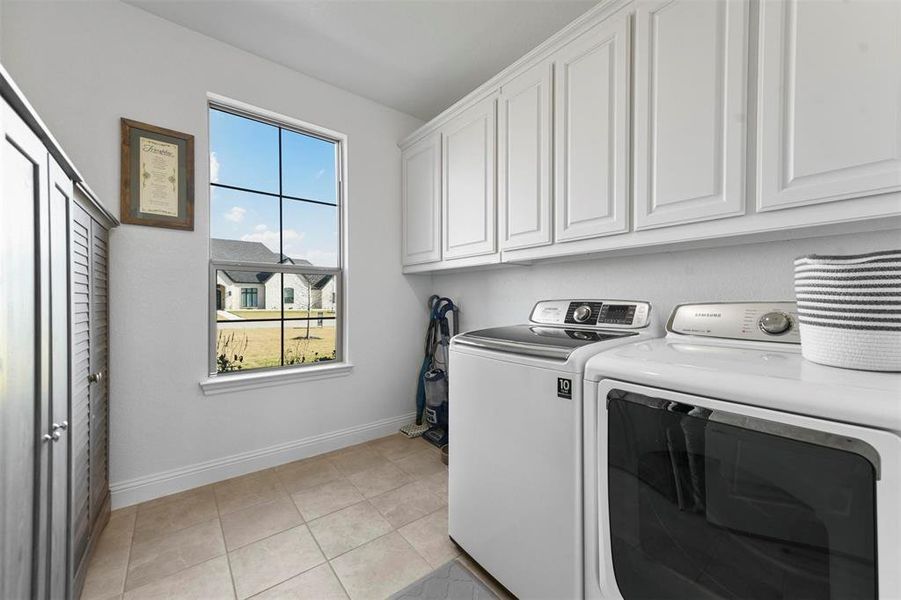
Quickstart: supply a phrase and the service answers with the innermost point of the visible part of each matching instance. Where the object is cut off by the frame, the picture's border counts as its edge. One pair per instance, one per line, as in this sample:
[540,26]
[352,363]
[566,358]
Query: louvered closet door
[80,425]
[99,367]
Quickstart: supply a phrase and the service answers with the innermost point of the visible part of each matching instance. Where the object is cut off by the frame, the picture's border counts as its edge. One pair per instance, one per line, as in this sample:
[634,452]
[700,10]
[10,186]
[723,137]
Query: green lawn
[276,314]
[261,346]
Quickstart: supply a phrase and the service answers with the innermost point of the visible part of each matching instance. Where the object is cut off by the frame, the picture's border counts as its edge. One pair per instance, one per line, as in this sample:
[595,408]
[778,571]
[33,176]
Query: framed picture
[157,176]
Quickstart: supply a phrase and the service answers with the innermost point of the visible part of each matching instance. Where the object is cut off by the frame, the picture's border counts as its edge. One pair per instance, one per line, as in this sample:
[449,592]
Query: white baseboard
[141,489]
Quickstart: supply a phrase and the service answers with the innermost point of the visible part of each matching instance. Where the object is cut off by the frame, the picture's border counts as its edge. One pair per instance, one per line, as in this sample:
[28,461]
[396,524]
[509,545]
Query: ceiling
[418,56]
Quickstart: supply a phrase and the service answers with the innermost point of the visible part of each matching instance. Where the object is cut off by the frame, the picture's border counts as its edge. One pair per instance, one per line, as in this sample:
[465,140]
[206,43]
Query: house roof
[241,251]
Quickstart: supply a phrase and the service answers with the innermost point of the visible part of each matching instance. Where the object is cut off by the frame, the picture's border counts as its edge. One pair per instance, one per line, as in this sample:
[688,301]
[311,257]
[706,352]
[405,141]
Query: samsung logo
[712,315]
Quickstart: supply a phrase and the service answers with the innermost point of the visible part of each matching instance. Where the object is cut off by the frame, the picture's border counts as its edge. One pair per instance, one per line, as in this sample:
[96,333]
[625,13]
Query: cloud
[292,235]
[214,168]
[269,238]
[320,258]
[235,214]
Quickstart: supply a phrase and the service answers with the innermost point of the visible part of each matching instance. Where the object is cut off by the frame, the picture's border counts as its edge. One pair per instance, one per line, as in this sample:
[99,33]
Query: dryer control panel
[754,321]
[594,314]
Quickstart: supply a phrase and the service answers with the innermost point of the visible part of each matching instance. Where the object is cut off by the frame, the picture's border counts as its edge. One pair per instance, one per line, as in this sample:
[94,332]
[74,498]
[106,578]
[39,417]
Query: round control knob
[774,323]
[582,313]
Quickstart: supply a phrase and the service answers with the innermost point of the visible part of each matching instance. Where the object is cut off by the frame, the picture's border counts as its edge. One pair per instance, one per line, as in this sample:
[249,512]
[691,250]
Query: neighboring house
[246,290]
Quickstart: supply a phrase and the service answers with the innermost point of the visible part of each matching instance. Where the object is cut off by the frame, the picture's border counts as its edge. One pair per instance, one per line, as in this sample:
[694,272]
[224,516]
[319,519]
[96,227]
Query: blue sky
[244,153]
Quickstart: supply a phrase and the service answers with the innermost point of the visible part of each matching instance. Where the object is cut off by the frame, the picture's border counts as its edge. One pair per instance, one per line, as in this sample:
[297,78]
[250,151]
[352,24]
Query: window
[248,298]
[275,223]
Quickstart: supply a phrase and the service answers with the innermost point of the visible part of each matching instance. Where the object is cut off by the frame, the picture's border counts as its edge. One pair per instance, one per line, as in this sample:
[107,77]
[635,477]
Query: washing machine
[515,470]
[721,464]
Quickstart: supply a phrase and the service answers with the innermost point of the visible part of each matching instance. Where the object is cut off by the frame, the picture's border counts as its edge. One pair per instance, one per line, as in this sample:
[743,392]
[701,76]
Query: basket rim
[849,257]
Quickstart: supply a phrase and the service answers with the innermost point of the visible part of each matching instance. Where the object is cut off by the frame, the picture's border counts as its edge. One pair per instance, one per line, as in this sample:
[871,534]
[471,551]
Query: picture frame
[157,176]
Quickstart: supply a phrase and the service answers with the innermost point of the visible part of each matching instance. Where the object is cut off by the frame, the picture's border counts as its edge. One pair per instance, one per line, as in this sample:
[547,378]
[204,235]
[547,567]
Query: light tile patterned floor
[363,522]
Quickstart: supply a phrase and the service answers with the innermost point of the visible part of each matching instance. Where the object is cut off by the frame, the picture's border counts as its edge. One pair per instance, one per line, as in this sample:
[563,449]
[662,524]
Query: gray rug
[452,581]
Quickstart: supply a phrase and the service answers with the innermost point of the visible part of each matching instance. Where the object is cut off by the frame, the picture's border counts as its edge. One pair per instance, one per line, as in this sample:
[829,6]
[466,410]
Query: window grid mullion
[273,267]
[271,194]
[281,245]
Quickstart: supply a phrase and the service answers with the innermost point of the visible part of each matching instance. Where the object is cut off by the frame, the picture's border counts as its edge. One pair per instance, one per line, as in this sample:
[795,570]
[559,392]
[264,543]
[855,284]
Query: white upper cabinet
[829,102]
[468,176]
[421,165]
[656,122]
[591,132]
[691,69]
[524,159]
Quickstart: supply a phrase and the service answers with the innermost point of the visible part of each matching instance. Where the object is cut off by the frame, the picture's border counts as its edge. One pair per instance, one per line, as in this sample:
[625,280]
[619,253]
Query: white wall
[83,65]
[736,273]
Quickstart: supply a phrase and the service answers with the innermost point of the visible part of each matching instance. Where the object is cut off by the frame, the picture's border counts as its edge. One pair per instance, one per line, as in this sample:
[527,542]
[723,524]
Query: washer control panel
[755,321]
[599,314]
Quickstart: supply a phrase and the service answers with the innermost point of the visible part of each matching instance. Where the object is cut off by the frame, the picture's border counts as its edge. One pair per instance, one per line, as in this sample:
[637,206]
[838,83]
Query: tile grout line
[393,530]
[271,535]
[131,545]
[228,560]
[328,561]
[337,578]
[427,561]
[324,562]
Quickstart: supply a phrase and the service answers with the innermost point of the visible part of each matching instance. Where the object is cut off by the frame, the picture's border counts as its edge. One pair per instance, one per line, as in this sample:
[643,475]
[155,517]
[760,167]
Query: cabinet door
[99,442]
[421,165]
[829,102]
[468,168]
[591,132]
[524,159]
[691,69]
[80,371]
[24,384]
[60,191]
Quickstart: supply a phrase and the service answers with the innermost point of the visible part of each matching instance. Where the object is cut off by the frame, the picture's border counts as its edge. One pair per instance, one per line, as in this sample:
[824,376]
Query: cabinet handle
[95,377]
[60,426]
[50,437]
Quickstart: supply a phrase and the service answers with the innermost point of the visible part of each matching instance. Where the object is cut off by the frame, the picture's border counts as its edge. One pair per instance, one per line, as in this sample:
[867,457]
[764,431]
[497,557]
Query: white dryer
[721,464]
[515,470]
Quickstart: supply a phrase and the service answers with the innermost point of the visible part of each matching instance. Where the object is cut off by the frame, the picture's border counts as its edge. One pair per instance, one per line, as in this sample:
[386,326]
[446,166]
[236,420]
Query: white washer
[721,464]
[515,472]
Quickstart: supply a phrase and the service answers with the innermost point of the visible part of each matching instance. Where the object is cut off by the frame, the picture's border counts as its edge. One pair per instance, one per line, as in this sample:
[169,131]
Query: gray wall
[735,273]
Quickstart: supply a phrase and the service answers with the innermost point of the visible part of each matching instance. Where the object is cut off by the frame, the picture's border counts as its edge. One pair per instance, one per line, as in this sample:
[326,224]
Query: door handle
[95,377]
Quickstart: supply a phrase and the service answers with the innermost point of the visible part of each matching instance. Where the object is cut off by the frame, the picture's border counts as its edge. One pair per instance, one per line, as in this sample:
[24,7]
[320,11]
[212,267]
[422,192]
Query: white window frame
[216,383]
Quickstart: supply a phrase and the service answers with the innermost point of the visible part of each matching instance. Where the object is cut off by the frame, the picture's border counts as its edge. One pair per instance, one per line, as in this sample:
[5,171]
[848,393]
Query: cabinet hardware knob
[61,426]
[50,437]
[95,377]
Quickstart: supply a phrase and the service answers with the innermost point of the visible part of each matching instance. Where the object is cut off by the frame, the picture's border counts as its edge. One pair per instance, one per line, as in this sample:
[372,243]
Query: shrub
[298,356]
[230,351]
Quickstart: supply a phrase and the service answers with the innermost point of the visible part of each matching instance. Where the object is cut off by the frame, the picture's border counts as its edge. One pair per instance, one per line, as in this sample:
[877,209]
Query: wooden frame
[173,213]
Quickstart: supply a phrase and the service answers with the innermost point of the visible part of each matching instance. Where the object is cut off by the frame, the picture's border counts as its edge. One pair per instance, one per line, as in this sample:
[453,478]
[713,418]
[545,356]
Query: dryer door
[708,499]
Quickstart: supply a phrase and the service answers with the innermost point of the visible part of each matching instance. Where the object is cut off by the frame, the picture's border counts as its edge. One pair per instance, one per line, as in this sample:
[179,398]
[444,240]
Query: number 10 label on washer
[564,388]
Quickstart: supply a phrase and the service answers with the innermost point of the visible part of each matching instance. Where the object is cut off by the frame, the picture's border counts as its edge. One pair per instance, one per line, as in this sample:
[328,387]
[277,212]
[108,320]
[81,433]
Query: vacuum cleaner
[431,390]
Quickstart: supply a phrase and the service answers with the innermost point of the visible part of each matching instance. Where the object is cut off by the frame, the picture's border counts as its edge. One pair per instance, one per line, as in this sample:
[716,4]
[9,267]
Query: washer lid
[555,343]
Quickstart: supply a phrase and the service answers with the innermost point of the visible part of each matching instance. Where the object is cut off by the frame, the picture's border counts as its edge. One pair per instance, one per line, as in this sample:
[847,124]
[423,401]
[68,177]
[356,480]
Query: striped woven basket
[849,308]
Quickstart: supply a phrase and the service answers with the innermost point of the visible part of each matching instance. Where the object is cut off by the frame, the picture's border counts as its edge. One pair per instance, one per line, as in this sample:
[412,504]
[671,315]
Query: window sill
[239,382]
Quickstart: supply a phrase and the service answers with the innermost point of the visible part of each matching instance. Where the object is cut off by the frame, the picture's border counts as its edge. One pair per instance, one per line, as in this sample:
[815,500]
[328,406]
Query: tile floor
[362,522]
